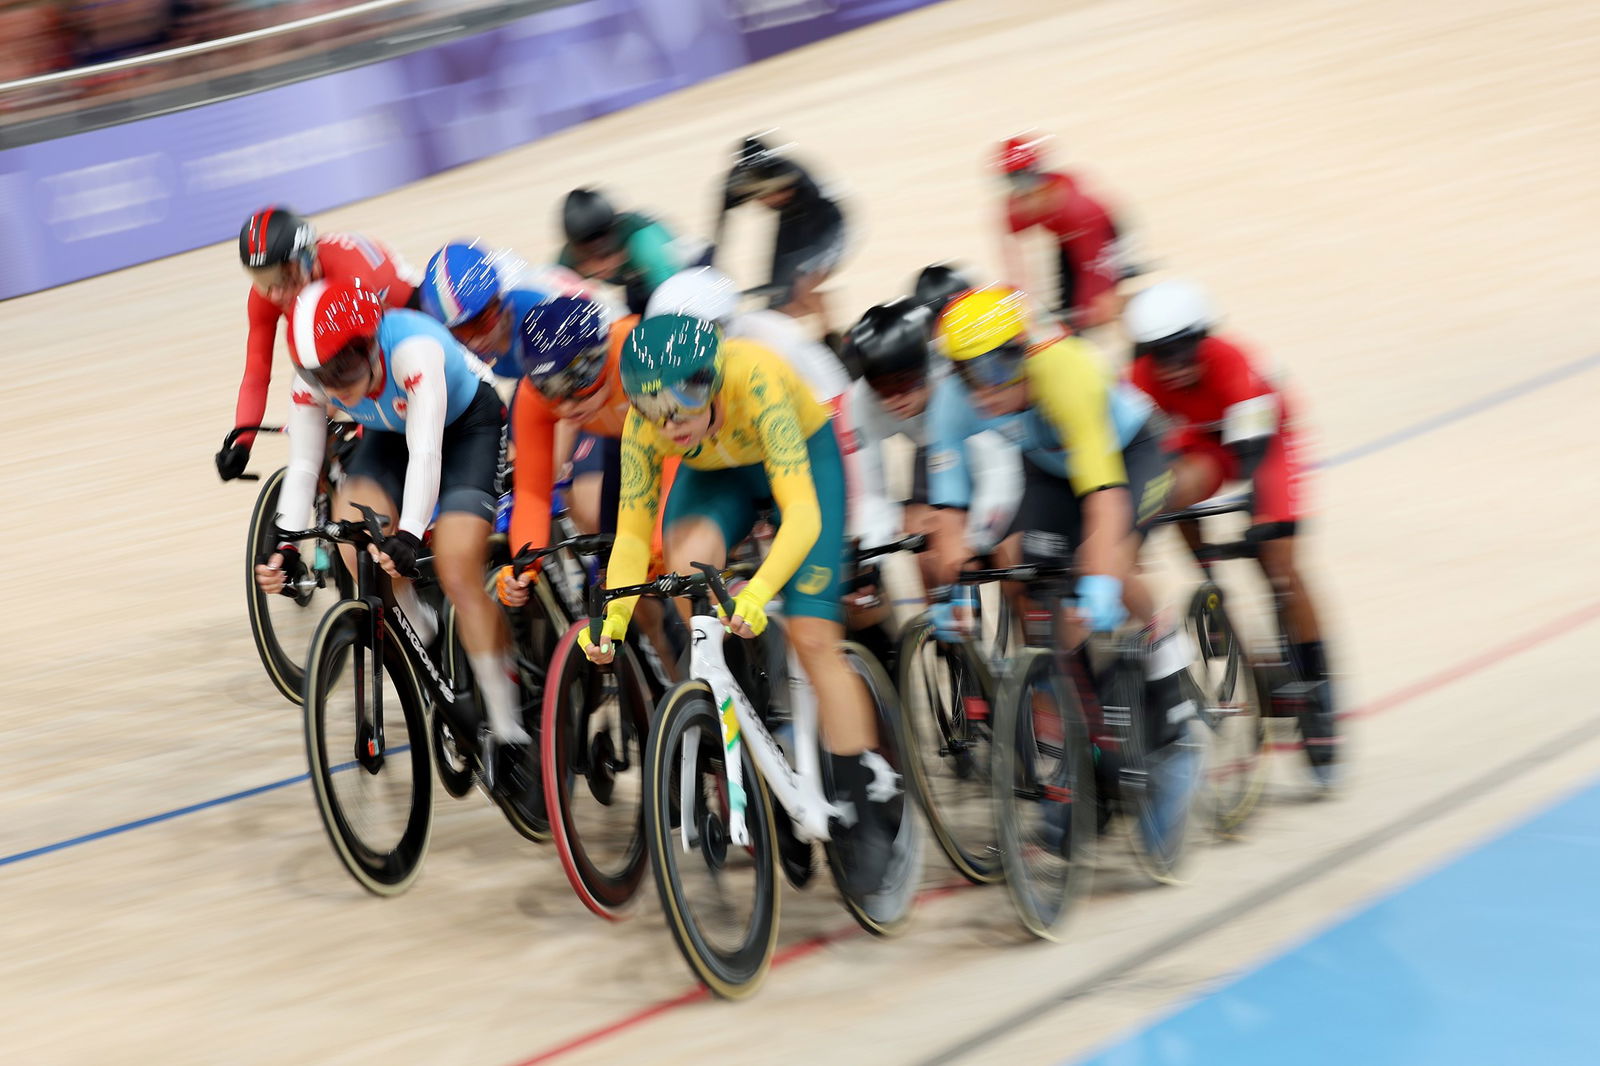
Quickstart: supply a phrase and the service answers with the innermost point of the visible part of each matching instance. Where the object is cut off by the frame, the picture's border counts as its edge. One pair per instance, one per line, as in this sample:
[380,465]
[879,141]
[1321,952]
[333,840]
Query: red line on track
[810,946]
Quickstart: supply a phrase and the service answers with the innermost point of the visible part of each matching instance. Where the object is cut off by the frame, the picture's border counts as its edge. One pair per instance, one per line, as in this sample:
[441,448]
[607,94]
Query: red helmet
[1019,153]
[328,316]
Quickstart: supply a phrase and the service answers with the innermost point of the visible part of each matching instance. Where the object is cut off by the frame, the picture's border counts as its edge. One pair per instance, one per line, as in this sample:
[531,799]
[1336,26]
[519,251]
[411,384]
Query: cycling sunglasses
[897,384]
[344,369]
[679,403]
[577,378]
[994,369]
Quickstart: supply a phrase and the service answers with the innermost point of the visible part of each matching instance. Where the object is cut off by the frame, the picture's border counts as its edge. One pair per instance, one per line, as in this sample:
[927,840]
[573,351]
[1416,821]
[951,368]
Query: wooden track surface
[1397,201]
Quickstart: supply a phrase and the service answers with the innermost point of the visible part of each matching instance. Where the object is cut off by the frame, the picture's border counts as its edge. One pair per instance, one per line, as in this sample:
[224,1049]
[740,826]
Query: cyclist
[747,427]
[1235,425]
[1089,254]
[709,294]
[433,428]
[483,295]
[889,344]
[1095,471]
[573,353]
[282,254]
[810,239]
[625,248]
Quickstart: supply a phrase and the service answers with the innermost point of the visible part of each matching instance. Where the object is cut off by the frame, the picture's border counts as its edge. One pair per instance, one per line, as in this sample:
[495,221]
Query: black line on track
[1492,780]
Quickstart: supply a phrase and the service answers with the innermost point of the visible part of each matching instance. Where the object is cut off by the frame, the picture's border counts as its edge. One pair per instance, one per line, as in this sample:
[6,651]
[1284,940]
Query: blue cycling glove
[946,626]
[1100,602]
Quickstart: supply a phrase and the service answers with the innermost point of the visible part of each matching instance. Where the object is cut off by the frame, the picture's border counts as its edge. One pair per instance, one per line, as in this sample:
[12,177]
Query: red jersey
[1226,379]
[1083,228]
[340,257]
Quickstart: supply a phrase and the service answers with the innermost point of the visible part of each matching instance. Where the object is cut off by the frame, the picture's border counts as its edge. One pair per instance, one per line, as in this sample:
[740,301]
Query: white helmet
[700,292]
[1167,309]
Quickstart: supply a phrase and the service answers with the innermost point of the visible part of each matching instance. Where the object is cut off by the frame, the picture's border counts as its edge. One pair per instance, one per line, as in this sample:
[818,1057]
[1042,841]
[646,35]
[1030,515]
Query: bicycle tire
[1046,823]
[949,740]
[285,667]
[383,871]
[1161,835]
[1237,774]
[737,972]
[450,758]
[572,770]
[888,911]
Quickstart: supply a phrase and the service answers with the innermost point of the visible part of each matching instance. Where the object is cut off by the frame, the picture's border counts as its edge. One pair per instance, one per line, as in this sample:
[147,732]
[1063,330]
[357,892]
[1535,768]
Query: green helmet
[672,363]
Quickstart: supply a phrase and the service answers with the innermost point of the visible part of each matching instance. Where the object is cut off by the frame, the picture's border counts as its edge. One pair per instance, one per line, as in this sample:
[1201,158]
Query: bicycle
[1063,735]
[366,648]
[594,721]
[1249,687]
[281,625]
[712,772]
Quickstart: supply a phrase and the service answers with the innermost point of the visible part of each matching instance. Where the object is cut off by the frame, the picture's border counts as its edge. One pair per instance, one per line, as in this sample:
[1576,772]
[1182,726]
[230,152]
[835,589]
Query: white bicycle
[712,771]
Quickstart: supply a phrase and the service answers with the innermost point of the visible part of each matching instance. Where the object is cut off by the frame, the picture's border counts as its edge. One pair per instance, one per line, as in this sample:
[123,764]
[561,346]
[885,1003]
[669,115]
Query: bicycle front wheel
[596,721]
[946,722]
[1044,791]
[367,744]
[720,898]
[1237,772]
[282,626]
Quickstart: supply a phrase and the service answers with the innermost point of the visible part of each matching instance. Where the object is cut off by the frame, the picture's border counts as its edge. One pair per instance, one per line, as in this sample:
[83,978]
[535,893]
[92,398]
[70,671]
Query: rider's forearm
[1107,522]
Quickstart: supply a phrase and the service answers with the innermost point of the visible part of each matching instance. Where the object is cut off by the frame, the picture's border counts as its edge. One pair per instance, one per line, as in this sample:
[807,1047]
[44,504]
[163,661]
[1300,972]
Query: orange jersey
[533,431]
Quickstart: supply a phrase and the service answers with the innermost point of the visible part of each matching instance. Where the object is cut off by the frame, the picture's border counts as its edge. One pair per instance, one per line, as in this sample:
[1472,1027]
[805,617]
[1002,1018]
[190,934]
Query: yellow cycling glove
[750,604]
[612,630]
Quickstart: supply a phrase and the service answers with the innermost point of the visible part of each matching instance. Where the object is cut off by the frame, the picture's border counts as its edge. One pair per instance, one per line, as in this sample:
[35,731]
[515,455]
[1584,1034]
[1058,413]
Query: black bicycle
[282,625]
[1247,687]
[373,789]
[1071,746]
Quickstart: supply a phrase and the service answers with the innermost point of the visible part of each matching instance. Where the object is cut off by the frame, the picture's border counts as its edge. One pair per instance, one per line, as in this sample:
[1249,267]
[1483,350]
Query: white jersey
[814,361]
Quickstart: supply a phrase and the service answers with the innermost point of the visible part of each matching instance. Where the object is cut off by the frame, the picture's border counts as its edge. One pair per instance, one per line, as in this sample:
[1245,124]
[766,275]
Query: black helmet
[758,168]
[276,235]
[936,285]
[587,216]
[889,345]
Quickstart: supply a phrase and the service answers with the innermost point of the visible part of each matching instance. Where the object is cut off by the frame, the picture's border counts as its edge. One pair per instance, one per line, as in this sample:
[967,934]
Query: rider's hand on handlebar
[232,460]
[511,590]
[278,569]
[1100,602]
[749,614]
[602,653]
[398,554]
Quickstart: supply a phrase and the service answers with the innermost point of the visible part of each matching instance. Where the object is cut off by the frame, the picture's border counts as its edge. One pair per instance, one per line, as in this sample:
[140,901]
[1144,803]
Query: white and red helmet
[327,317]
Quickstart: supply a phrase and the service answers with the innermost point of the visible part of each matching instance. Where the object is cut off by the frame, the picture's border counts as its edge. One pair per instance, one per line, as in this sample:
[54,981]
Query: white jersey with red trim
[426,381]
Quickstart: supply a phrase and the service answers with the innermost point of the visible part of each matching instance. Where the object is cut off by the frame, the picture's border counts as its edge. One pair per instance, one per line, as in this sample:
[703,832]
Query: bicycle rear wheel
[946,719]
[886,911]
[720,899]
[282,626]
[1233,711]
[375,798]
[596,722]
[1044,787]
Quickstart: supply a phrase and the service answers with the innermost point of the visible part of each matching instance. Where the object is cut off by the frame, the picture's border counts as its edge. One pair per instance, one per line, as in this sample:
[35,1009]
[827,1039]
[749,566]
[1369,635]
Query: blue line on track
[1361,451]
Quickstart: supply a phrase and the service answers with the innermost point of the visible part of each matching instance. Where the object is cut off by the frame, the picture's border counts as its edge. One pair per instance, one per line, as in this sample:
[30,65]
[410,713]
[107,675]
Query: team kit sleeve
[252,405]
[308,441]
[1250,408]
[653,252]
[533,431]
[418,363]
[948,418]
[788,466]
[637,504]
[874,518]
[1075,397]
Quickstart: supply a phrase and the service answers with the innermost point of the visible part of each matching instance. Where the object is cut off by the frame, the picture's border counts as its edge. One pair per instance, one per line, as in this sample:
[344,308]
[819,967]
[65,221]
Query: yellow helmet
[978,321]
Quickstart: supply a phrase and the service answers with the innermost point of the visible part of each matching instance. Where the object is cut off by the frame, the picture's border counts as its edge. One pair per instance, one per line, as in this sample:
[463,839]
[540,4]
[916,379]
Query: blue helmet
[461,280]
[564,346]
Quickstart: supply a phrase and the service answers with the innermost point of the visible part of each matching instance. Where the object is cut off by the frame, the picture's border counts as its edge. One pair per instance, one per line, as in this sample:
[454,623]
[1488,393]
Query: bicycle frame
[797,788]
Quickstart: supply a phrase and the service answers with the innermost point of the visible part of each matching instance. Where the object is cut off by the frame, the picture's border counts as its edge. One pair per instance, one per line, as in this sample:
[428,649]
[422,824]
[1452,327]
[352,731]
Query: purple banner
[110,198]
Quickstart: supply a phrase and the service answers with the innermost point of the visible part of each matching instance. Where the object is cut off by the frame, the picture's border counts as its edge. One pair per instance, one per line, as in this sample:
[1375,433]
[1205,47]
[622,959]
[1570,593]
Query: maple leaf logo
[412,381]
